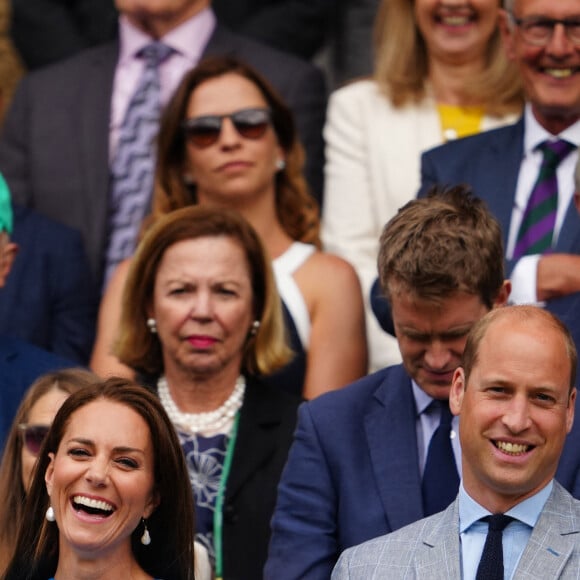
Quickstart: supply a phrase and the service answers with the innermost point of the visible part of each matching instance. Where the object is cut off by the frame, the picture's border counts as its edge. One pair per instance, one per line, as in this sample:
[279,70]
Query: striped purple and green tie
[537,228]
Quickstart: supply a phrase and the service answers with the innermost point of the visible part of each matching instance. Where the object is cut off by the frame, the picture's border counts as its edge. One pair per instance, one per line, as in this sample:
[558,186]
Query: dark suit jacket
[267,422]
[45,31]
[20,365]
[353,474]
[55,139]
[490,163]
[296,26]
[49,298]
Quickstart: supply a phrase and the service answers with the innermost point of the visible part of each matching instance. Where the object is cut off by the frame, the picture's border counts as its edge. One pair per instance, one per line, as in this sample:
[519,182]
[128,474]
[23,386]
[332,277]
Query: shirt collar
[189,38]
[534,133]
[527,511]
[422,399]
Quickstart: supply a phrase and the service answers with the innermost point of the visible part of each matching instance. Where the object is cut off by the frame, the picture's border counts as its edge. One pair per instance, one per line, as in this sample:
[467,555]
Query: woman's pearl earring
[50,514]
[145,538]
[280,164]
[152,325]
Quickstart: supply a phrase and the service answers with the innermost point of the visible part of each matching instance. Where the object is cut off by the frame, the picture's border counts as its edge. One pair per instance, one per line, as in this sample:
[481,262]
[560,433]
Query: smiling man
[515,396]
[525,172]
[364,461]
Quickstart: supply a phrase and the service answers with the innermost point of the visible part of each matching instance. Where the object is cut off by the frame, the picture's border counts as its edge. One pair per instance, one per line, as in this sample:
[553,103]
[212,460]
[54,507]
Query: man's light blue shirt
[515,536]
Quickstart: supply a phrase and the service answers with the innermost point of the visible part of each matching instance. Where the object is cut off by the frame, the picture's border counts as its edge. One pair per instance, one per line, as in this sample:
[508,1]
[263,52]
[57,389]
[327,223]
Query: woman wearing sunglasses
[227,140]
[31,423]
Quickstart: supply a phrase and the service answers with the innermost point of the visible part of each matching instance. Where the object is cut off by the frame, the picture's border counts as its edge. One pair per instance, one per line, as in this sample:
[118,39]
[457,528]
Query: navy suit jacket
[54,145]
[20,365]
[49,298]
[353,474]
[490,163]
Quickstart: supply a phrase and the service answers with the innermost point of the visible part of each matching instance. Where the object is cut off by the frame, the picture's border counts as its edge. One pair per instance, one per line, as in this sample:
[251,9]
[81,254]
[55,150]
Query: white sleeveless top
[284,266]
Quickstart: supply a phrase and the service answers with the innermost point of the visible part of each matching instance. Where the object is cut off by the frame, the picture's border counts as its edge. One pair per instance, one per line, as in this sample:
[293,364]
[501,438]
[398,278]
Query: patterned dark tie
[440,478]
[134,162]
[537,228]
[491,563]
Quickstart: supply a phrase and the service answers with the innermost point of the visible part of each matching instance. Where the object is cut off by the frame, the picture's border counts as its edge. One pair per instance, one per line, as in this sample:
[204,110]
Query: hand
[557,275]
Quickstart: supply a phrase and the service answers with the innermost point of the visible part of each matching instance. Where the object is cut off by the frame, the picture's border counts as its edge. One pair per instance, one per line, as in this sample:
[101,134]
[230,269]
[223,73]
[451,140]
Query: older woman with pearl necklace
[202,326]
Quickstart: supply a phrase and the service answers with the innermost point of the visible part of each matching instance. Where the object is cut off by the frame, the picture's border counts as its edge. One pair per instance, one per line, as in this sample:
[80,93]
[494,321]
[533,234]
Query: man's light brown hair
[441,244]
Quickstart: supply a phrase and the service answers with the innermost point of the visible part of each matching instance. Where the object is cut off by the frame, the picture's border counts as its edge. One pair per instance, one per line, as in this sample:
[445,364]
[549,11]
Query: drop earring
[145,538]
[50,514]
[280,164]
[152,325]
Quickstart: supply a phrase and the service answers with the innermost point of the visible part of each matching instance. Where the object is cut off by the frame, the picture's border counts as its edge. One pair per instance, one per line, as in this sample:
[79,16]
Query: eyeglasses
[33,436]
[538,31]
[205,131]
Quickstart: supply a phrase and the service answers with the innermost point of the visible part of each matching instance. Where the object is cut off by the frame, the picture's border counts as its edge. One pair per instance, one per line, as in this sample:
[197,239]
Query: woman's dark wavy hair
[171,525]
[296,208]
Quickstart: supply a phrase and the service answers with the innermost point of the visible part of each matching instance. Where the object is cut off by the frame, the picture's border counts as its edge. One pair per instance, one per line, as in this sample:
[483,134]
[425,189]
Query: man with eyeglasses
[20,362]
[525,172]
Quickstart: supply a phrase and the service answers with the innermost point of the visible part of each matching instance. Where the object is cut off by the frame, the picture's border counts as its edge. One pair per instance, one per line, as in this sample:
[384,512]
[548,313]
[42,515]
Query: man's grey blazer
[54,146]
[429,549]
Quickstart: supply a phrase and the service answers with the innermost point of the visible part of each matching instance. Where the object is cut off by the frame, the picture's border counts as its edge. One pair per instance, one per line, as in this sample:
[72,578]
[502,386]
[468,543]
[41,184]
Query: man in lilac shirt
[60,135]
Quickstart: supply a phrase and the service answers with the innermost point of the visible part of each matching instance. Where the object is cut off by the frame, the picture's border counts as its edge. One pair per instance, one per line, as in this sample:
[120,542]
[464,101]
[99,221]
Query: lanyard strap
[218,515]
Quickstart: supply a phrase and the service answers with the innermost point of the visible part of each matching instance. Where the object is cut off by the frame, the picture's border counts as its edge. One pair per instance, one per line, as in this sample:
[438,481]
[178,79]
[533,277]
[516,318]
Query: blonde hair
[402,64]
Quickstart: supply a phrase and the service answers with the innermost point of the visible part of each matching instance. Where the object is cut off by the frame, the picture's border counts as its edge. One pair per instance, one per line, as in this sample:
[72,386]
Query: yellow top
[459,121]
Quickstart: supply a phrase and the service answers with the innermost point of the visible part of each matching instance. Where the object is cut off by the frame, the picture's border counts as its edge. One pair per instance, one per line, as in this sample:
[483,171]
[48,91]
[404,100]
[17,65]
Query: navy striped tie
[133,166]
[536,231]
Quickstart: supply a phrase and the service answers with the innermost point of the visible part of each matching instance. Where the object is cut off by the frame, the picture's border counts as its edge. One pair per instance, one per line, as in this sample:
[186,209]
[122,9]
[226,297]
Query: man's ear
[8,254]
[457,391]
[503,294]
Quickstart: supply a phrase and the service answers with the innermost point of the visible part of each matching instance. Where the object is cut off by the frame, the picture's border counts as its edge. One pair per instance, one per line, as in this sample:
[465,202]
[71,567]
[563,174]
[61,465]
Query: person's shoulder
[20,352]
[73,67]
[258,54]
[360,89]
[28,222]
[327,266]
[265,393]
[356,396]
[467,145]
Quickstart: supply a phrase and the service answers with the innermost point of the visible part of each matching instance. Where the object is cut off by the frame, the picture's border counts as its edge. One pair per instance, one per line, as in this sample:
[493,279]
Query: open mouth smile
[560,73]
[512,448]
[92,506]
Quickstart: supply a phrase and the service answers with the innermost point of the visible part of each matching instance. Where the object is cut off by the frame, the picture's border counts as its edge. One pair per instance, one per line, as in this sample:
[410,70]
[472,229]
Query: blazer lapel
[222,42]
[255,442]
[498,172]
[553,538]
[93,123]
[439,557]
[569,238]
[392,441]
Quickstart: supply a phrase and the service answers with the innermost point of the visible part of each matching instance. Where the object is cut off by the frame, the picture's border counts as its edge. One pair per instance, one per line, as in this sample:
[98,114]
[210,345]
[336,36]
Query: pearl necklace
[212,422]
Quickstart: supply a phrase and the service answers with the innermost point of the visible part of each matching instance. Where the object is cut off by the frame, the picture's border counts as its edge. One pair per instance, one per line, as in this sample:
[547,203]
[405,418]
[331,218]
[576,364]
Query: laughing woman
[110,496]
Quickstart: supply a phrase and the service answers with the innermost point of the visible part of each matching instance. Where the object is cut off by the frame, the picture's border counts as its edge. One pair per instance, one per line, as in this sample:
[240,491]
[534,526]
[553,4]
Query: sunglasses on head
[205,131]
[33,436]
